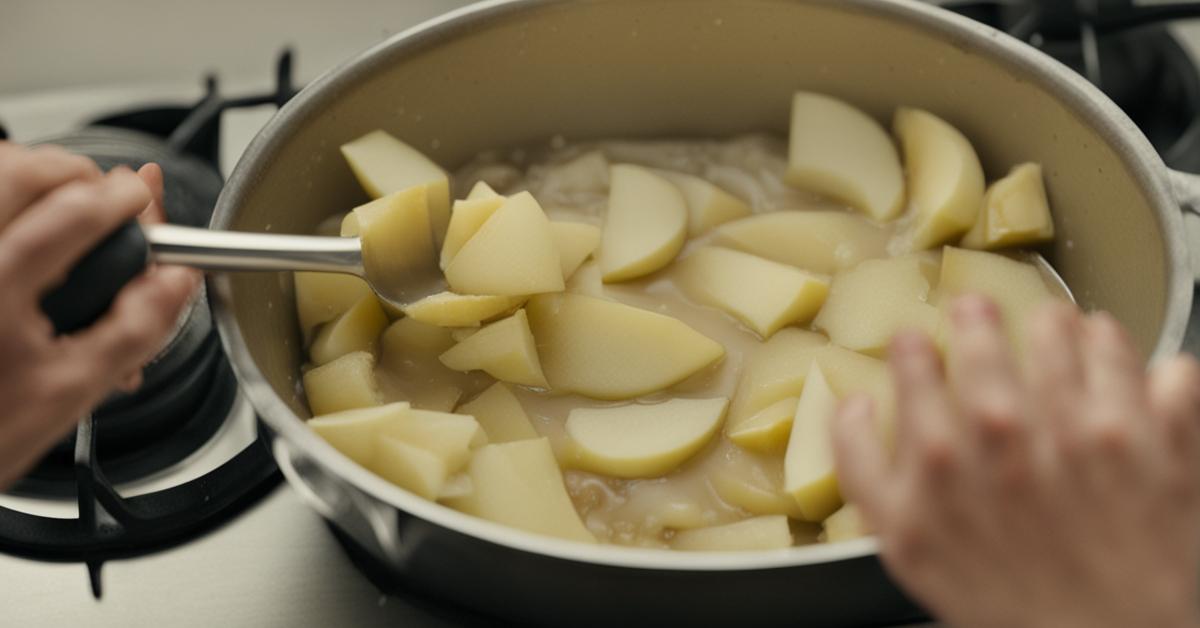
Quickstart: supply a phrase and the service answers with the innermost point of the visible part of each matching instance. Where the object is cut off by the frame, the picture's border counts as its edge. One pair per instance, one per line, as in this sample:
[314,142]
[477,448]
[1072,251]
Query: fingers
[860,457]
[140,320]
[64,225]
[1114,377]
[1174,393]
[152,175]
[26,174]
[1056,376]
[986,385]
[924,414]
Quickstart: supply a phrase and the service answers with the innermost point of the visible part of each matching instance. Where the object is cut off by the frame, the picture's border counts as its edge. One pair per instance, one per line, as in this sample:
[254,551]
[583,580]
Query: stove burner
[188,392]
[1125,51]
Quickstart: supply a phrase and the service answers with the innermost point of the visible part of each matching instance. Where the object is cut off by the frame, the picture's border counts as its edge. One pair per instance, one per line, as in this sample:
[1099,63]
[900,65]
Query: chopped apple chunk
[342,384]
[808,464]
[447,309]
[759,533]
[1015,212]
[945,180]
[500,414]
[708,205]
[322,297]
[645,227]
[385,165]
[512,254]
[576,242]
[871,303]
[505,350]
[355,330]
[466,217]
[819,241]
[643,440]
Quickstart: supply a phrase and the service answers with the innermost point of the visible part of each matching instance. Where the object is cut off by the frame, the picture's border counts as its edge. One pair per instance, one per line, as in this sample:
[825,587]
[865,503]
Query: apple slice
[764,295]
[322,297]
[766,430]
[608,350]
[519,484]
[355,330]
[1016,287]
[451,437]
[576,242]
[839,151]
[584,174]
[945,180]
[645,227]
[850,373]
[447,309]
[808,465]
[750,481]
[342,384]
[407,336]
[465,220]
[843,525]
[759,533]
[871,303]
[708,205]
[775,371]
[1015,212]
[354,432]
[505,350]
[819,241]
[385,165]
[512,254]
[638,441]
[500,414]
[482,190]
[587,281]
[396,242]
[409,467]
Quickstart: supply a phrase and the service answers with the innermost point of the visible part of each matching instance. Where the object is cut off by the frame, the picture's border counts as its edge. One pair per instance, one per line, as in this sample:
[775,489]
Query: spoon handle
[236,250]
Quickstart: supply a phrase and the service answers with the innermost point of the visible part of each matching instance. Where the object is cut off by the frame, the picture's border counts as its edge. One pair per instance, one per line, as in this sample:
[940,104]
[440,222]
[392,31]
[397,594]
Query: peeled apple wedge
[759,533]
[576,242]
[844,525]
[768,429]
[838,150]
[385,165]
[1016,287]
[945,179]
[638,441]
[1015,212]
[645,226]
[608,350]
[750,481]
[764,295]
[450,437]
[395,236]
[466,217]
[447,309]
[871,303]
[355,330]
[505,350]
[775,371]
[409,467]
[708,205]
[409,336]
[500,414]
[808,464]
[481,190]
[354,432]
[519,484]
[587,281]
[818,241]
[514,253]
[850,373]
[322,297]
[342,384]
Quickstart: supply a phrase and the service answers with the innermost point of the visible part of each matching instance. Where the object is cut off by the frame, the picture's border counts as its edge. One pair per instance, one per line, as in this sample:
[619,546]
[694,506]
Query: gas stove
[170,488]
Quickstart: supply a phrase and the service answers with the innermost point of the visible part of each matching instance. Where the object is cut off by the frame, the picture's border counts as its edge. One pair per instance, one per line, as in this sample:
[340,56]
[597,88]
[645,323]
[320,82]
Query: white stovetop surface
[63,61]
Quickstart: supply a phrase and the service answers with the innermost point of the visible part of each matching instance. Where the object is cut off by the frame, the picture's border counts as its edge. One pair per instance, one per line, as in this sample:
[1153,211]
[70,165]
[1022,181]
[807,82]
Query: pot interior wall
[654,68]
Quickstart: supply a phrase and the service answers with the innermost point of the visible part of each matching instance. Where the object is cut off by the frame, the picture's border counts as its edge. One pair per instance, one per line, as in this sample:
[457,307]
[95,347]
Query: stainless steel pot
[507,73]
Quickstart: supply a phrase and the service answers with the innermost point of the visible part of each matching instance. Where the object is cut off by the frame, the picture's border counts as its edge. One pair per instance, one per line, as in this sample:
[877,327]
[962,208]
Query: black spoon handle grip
[92,285]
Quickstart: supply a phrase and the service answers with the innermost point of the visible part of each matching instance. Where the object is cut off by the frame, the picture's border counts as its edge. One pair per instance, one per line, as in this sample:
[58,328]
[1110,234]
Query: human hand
[54,207]
[1064,495]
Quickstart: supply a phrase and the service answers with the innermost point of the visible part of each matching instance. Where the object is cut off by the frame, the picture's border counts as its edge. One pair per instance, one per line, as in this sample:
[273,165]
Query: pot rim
[1088,102]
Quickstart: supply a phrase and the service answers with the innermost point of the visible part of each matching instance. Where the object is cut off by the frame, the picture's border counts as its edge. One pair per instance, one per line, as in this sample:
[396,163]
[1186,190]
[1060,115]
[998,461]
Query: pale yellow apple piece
[844,525]
[608,350]
[871,303]
[354,432]
[576,242]
[819,241]
[481,190]
[750,481]
[519,484]
[409,336]
[638,441]
[1015,212]
[586,174]
[587,281]
[708,205]
[512,254]
[759,533]
[849,373]
[764,295]
[410,467]
[384,165]
[322,297]
[500,414]
[447,309]
[808,473]
[355,330]
[466,217]
[645,226]
[396,243]
[1016,287]
[462,333]
[504,349]
[343,384]
[945,179]
[774,371]
[766,430]
[837,150]
[458,485]
[349,227]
